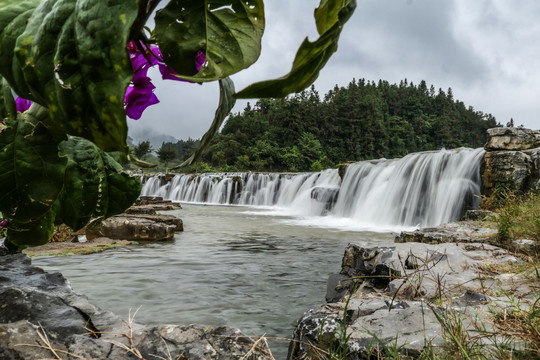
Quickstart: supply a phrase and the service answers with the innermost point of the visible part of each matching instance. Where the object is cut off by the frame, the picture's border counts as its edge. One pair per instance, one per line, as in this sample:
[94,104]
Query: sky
[487,51]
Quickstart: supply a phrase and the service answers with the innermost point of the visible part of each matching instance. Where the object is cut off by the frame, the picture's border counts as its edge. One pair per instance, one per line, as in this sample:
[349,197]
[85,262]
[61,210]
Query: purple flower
[3,224]
[22,104]
[140,94]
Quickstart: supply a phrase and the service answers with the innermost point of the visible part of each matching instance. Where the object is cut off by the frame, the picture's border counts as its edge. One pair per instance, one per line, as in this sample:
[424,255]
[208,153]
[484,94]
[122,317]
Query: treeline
[364,120]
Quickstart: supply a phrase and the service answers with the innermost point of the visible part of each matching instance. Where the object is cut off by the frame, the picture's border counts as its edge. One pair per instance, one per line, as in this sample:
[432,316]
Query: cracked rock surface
[400,294]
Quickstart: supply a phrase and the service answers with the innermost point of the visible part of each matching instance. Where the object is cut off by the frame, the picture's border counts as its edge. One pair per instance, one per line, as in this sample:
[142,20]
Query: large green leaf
[31,43]
[35,48]
[228,32]
[7,103]
[13,19]
[310,58]
[102,28]
[226,103]
[71,57]
[33,233]
[328,14]
[95,184]
[32,173]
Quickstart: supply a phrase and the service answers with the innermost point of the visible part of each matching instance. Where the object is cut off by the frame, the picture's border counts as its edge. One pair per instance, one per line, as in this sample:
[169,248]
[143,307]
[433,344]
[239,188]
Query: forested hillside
[364,120]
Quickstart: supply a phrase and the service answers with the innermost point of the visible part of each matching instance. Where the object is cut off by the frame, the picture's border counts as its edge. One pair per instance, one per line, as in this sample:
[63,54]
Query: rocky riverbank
[42,318]
[413,297]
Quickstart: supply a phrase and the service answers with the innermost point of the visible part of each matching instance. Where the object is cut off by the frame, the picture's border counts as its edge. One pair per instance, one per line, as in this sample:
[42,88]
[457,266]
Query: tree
[166,154]
[510,123]
[85,76]
[142,149]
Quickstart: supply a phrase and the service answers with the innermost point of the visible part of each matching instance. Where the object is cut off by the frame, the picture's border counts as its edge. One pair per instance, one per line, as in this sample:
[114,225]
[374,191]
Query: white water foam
[418,190]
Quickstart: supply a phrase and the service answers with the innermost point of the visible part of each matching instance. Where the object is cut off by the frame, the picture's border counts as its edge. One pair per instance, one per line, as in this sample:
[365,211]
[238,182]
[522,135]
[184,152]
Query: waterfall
[418,190]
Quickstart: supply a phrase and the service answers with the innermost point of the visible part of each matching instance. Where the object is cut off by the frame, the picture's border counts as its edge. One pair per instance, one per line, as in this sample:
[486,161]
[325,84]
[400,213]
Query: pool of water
[243,267]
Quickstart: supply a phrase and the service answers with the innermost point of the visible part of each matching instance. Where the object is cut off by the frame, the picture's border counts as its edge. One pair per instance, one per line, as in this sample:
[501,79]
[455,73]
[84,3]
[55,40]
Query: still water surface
[239,266]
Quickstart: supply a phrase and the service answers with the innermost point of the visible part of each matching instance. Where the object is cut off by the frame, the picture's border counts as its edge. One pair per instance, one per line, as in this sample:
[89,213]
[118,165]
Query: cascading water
[420,189]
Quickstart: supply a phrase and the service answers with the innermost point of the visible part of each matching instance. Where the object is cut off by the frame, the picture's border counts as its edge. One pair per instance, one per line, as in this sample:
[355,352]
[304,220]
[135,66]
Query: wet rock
[325,195]
[36,302]
[136,227]
[510,138]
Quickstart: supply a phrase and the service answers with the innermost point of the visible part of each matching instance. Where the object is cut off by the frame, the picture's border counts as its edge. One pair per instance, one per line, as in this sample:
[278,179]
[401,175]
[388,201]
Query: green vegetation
[519,217]
[364,120]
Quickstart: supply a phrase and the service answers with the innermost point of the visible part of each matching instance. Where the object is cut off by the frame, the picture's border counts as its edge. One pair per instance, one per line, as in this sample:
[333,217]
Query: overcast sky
[487,51]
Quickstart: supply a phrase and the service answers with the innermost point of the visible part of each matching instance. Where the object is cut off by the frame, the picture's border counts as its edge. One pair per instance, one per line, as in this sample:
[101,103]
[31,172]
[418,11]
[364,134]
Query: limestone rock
[525,246]
[141,209]
[137,227]
[512,169]
[391,284]
[510,138]
[512,160]
[31,296]
[157,203]
[462,231]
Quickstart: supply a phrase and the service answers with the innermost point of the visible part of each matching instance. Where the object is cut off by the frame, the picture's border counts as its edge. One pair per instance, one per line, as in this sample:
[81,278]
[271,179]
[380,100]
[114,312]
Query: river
[245,267]
[261,260]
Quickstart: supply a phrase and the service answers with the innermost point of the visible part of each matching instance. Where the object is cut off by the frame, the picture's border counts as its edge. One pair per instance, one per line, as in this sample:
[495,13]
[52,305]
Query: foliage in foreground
[82,63]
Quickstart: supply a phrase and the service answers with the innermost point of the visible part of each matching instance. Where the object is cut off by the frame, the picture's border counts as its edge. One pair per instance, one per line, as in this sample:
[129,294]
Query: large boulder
[512,160]
[40,313]
[511,169]
[136,227]
[510,138]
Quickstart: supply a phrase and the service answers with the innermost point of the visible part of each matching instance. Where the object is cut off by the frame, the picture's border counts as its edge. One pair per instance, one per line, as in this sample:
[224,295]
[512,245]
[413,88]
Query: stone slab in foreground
[401,292]
[34,303]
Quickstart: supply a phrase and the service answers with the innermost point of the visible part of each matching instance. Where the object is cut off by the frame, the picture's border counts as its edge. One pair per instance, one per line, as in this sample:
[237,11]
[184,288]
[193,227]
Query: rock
[480,215]
[525,246]
[325,195]
[137,227]
[510,169]
[141,209]
[161,218]
[510,138]
[462,231]
[389,307]
[75,248]
[512,160]
[63,233]
[36,302]
[157,202]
